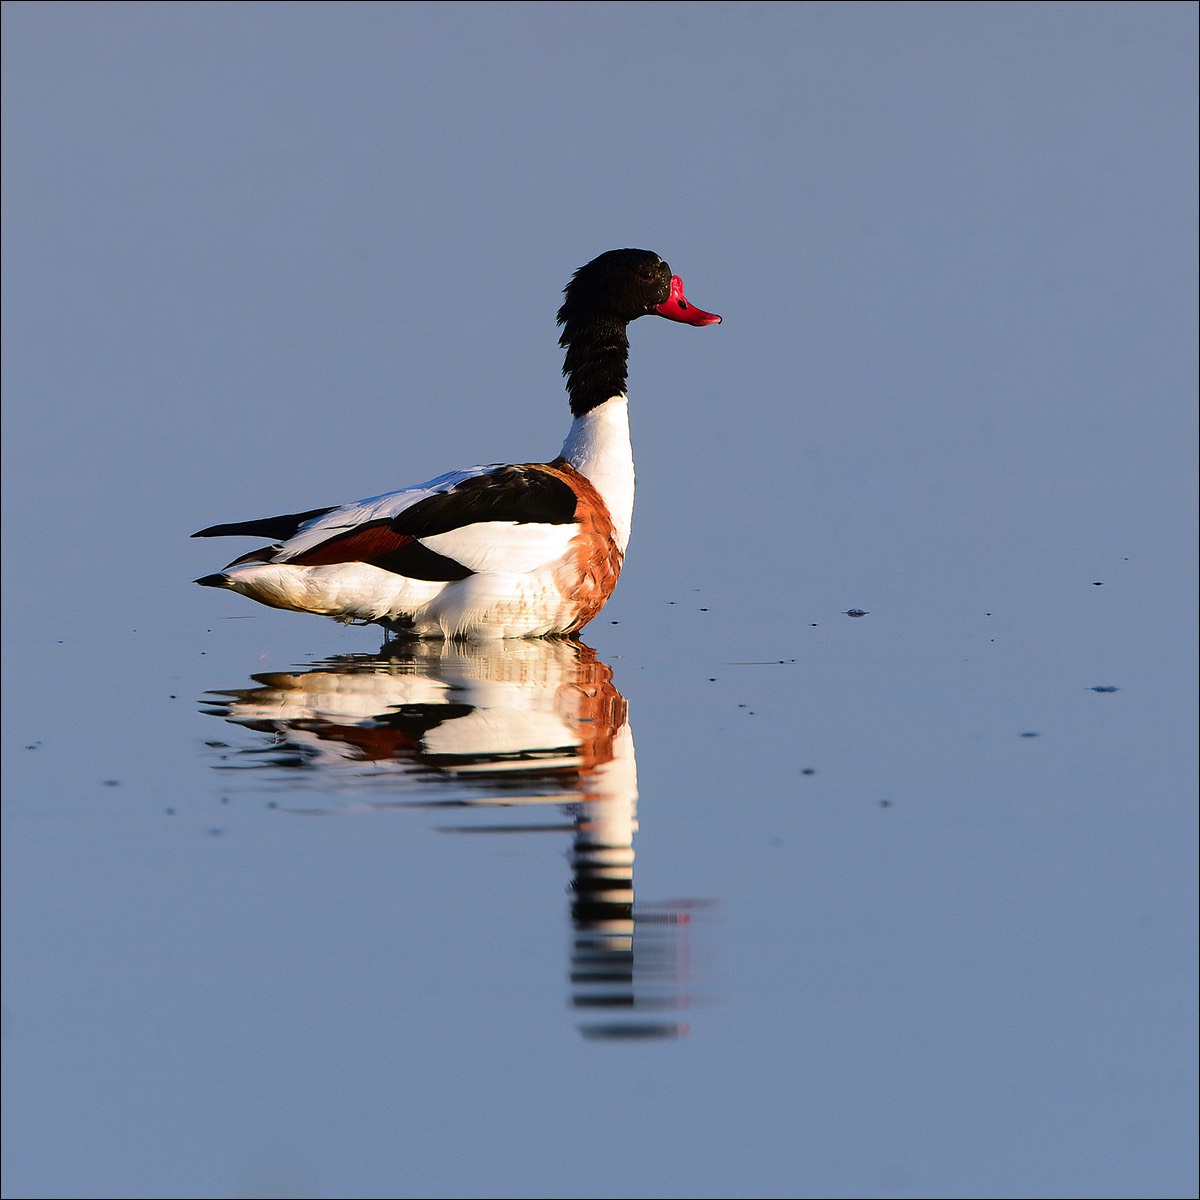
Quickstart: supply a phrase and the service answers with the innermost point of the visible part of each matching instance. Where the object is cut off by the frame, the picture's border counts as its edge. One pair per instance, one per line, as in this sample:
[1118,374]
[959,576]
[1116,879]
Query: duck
[504,550]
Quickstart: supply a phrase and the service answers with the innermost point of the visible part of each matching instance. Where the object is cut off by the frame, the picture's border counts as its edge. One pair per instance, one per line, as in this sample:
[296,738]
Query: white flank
[352,591]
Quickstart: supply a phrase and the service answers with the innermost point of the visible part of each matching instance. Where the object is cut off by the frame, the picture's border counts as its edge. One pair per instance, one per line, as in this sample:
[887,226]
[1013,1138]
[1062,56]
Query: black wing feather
[522,494]
[278,529]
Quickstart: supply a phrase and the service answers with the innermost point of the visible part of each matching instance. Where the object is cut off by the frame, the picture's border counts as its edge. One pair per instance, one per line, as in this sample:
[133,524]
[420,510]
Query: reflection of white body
[523,722]
[467,709]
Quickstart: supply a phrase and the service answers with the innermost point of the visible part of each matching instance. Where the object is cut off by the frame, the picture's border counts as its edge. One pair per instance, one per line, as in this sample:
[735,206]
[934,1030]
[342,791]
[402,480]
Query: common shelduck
[499,551]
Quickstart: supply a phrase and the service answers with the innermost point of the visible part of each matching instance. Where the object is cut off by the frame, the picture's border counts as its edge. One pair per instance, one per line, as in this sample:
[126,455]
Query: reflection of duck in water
[496,551]
[526,722]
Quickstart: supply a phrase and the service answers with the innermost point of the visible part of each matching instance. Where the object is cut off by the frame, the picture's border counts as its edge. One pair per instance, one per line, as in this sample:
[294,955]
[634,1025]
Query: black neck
[597,362]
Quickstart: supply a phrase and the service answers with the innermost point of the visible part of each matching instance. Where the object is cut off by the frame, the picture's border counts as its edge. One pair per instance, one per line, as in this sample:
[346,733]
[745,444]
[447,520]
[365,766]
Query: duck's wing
[494,518]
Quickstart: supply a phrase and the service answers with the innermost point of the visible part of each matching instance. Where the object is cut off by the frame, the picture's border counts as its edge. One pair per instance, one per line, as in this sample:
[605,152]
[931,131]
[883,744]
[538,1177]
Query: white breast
[598,446]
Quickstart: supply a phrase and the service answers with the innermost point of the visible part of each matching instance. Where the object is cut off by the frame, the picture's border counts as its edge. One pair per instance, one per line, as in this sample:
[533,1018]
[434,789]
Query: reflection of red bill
[677,308]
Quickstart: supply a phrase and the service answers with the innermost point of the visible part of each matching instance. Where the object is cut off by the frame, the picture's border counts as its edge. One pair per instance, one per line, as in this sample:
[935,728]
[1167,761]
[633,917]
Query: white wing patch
[508,547]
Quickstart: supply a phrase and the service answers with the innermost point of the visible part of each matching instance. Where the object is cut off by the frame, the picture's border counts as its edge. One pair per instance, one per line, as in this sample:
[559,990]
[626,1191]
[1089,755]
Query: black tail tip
[220,579]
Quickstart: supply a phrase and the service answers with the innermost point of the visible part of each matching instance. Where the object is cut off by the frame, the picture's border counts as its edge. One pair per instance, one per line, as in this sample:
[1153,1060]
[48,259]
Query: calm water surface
[871,911]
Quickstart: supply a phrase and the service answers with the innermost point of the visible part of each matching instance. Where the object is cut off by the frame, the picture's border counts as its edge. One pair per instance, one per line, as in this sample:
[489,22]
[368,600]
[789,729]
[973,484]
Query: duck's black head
[602,298]
[622,285]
